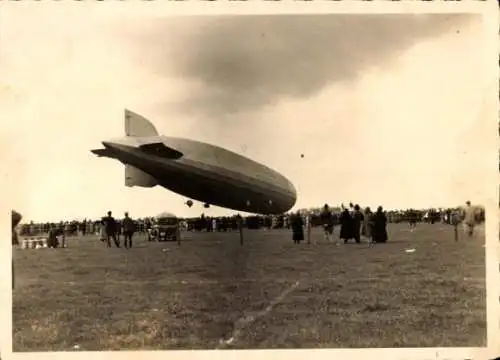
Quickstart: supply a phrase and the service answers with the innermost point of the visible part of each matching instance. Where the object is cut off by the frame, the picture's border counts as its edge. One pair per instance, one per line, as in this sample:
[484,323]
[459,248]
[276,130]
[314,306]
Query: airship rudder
[138,126]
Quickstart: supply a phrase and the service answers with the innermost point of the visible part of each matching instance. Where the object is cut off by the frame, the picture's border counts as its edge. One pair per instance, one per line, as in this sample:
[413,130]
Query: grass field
[211,292]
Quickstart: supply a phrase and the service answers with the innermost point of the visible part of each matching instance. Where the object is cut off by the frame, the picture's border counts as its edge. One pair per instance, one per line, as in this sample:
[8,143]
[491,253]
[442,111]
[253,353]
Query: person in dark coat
[16,219]
[52,241]
[110,225]
[345,225]
[379,230]
[128,226]
[297,228]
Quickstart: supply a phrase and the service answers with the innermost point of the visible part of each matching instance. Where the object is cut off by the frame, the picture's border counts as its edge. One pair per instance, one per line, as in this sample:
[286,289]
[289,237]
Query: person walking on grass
[128,227]
[110,226]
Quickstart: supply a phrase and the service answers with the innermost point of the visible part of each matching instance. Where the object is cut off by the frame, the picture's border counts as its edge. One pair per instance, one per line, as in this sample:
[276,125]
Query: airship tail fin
[138,126]
[136,177]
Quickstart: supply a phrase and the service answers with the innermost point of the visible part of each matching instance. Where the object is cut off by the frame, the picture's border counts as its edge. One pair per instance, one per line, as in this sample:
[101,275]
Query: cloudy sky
[387,109]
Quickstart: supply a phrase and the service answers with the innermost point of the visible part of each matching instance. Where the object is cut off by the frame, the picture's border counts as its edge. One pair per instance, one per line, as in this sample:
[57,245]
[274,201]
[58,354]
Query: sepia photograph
[248,181]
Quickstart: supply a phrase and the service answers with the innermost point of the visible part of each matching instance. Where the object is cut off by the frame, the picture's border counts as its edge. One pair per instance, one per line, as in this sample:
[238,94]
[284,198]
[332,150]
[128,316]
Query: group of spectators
[353,222]
[231,223]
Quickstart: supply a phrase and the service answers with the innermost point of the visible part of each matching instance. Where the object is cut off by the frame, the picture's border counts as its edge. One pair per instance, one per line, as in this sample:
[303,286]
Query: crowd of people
[353,221]
[353,224]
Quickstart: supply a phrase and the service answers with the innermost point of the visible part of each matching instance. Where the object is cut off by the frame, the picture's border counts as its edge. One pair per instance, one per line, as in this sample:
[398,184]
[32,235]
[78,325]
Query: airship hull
[221,188]
[202,172]
[230,185]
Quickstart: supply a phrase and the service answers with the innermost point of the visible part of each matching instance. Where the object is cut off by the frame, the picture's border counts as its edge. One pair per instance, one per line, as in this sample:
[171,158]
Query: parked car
[166,228]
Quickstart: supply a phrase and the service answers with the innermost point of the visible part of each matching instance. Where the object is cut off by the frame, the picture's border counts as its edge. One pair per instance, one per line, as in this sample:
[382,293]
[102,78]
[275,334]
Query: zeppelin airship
[197,170]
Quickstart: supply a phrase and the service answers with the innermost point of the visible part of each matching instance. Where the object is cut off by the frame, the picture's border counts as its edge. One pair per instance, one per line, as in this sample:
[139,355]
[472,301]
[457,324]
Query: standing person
[455,220]
[297,228]
[147,225]
[308,227]
[62,233]
[449,212]
[357,220]
[128,228]
[102,230]
[469,219]
[83,227]
[368,224]
[345,225]
[327,220]
[118,230]
[351,209]
[379,230]
[52,240]
[16,219]
[412,219]
[110,226]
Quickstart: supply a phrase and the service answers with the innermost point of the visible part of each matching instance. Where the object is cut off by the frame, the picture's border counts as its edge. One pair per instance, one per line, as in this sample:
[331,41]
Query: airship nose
[107,144]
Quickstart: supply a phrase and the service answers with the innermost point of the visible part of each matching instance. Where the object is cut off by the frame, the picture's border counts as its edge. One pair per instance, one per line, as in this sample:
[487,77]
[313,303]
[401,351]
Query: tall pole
[455,221]
[308,227]
[240,226]
[178,234]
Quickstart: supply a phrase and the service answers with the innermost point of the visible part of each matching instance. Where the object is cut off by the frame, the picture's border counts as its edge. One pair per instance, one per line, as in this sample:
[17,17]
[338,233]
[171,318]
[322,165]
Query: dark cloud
[247,62]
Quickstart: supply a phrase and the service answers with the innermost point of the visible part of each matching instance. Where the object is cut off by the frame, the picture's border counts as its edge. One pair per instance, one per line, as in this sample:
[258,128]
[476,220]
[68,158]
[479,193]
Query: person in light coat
[469,215]
[368,225]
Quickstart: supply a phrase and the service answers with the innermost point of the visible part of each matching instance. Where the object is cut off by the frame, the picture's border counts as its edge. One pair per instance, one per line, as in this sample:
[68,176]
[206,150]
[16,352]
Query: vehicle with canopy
[165,228]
